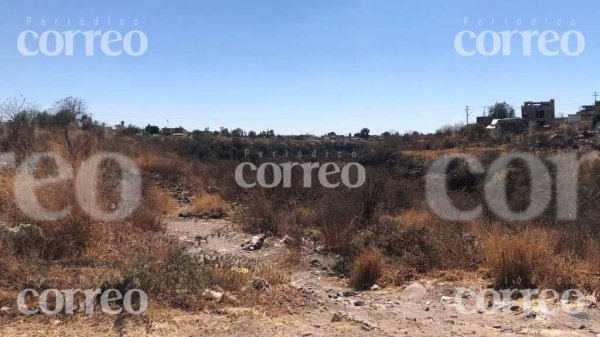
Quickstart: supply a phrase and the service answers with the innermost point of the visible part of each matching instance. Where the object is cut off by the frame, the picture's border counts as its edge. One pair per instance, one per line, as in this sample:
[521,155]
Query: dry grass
[526,258]
[412,218]
[164,164]
[211,205]
[367,269]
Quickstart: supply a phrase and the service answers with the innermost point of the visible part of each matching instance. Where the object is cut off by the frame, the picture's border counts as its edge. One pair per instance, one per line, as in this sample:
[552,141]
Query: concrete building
[484,120]
[507,125]
[588,111]
[176,132]
[540,113]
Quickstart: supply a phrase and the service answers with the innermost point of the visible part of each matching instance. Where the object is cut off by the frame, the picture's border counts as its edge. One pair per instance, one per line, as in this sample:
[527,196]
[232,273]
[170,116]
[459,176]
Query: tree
[501,110]
[19,113]
[252,134]
[152,129]
[131,130]
[237,133]
[69,112]
[364,133]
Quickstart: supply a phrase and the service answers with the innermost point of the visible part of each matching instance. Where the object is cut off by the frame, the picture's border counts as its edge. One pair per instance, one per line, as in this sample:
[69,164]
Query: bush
[526,259]
[367,269]
[211,205]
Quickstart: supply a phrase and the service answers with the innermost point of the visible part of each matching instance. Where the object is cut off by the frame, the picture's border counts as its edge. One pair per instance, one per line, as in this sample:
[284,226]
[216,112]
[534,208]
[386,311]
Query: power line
[467,113]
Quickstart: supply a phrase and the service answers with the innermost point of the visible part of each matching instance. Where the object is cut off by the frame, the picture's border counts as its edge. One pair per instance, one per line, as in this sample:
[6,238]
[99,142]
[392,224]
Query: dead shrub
[65,239]
[366,269]
[150,215]
[526,258]
[338,221]
[211,205]
[179,278]
[166,165]
[258,214]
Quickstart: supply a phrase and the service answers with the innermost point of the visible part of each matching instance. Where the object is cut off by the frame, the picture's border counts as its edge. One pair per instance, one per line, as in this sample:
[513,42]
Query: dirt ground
[330,308]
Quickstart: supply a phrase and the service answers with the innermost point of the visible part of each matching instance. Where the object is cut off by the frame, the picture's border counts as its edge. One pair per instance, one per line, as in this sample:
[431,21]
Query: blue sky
[299,66]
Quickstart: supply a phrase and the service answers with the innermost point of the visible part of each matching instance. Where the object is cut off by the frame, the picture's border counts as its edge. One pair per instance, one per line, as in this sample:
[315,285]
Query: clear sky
[308,66]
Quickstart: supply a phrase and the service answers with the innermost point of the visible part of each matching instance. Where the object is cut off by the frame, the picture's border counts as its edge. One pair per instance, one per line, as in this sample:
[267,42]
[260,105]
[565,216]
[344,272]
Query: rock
[426,308]
[260,284]
[286,240]
[414,292]
[315,263]
[349,293]
[338,317]
[255,243]
[212,295]
[375,287]
[447,299]
[591,301]
[359,303]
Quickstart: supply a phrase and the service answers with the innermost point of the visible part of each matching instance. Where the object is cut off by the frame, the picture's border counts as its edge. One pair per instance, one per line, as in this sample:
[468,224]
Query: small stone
[212,295]
[447,299]
[260,284]
[426,308]
[413,292]
[338,317]
[375,287]
[359,303]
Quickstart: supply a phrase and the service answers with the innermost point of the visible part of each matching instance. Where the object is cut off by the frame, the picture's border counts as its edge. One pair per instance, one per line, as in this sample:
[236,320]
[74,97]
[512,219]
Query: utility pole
[595,97]
[467,113]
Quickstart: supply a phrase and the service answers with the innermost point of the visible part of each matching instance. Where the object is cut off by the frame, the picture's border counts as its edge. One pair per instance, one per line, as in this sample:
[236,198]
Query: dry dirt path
[335,310]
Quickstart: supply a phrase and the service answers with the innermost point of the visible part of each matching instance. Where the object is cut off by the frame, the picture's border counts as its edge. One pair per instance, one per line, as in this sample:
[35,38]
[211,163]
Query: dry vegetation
[382,231]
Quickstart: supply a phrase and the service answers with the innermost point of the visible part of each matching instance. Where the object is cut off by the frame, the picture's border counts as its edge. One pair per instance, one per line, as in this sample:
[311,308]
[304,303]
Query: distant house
[540,113]
[507,125]
[484,120]
[176,132]
[587,111]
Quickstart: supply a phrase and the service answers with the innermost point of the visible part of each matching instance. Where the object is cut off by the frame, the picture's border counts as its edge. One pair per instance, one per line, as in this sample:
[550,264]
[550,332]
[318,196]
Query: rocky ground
[422,308]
